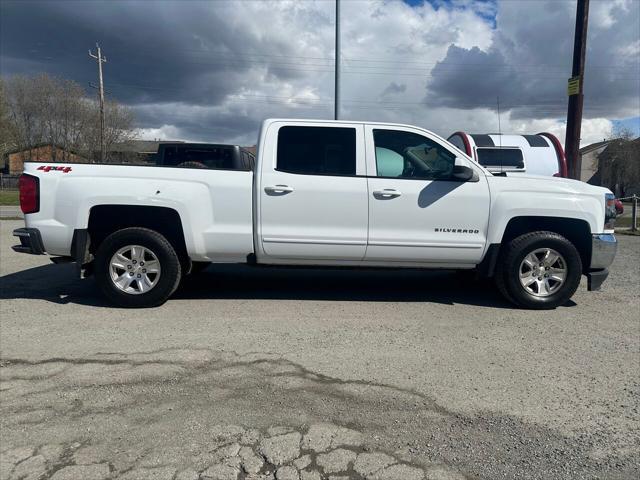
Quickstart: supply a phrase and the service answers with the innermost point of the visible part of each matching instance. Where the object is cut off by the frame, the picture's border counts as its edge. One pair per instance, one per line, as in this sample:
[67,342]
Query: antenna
[499,127]
[499,134]
[336,99]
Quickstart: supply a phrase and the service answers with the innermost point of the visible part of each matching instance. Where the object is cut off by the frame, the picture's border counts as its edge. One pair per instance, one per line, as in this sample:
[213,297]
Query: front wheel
[539,270]
[137,267]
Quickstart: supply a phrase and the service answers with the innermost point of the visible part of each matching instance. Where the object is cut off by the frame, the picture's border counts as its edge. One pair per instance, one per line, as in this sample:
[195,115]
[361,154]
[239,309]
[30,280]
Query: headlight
[609,211]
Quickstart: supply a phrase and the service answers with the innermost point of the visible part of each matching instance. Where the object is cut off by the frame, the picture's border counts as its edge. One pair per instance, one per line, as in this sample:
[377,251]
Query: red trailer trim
[465,140]
[562,160]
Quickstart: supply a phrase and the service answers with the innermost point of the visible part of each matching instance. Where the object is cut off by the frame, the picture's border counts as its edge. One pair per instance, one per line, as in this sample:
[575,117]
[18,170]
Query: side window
[457,141]
[409,155]
[500,157]
[317,150]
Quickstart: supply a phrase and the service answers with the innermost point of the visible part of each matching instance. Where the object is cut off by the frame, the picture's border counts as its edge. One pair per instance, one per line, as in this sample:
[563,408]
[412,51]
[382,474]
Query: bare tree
[619,163]
[7,129]
[45,109]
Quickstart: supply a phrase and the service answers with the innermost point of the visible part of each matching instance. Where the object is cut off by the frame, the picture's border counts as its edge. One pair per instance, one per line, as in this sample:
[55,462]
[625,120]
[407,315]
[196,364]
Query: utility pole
[100,60]
[336,107]
[575,91]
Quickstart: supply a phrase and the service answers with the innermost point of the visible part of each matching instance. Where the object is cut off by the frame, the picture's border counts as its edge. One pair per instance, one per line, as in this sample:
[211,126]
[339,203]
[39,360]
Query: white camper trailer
[540,154]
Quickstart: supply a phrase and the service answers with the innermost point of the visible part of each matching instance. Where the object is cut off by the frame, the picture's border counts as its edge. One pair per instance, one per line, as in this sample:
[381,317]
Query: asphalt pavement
[10,211]
[305,374]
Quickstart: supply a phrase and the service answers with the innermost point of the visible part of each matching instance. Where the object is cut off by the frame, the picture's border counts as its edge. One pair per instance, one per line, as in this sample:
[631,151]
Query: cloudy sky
[212,70]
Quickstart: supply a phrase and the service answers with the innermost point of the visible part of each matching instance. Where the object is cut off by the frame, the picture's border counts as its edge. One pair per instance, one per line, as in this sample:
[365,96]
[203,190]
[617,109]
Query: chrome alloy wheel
[543,272]
[134,269]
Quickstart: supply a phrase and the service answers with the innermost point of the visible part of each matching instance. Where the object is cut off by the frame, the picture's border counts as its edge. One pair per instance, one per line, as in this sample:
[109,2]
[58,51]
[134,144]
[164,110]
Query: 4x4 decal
[55,168]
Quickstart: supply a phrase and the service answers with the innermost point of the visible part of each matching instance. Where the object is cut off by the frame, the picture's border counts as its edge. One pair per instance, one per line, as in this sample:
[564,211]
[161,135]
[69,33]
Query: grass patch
[9,197]
[623,231]
[624,222]
[623,226]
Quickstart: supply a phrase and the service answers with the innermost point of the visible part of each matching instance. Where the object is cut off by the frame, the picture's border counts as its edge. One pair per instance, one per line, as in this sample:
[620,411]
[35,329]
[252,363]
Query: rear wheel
[137,267]
[539,270]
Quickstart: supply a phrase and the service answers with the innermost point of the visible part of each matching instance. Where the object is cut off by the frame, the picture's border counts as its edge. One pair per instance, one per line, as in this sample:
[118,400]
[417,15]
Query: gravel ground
[408,374]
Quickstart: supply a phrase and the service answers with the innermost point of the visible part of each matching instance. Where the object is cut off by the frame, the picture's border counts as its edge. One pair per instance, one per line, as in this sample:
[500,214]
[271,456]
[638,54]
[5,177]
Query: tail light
[29,193]
[609,211]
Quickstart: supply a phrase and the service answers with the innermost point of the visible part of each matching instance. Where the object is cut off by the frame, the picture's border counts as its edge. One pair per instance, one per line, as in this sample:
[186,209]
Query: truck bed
[215,206]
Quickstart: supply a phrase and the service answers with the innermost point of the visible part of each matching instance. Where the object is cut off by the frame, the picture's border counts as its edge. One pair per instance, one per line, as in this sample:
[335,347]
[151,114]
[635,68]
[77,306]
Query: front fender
[509,204]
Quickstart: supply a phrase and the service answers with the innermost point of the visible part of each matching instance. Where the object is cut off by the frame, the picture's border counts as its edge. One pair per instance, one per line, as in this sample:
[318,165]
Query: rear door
[418,212]
[313,193]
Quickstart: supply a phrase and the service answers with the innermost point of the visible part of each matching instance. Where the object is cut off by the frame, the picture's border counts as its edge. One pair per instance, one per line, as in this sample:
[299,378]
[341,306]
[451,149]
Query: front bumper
[603,250]
[30,241]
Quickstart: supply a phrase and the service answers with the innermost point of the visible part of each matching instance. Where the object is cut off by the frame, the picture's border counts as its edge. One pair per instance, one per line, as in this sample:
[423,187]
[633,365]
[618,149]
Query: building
[619,167]
[614,164]
[14,160]
[589,162]
[135,152]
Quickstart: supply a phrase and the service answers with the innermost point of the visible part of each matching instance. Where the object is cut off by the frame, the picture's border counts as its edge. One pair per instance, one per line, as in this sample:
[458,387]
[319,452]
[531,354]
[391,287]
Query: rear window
[457,141]
[209,157]
[317,150]
[500,157]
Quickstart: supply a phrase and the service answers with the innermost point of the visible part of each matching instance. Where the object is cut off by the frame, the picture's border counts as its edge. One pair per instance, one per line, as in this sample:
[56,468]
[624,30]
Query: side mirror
[462,173]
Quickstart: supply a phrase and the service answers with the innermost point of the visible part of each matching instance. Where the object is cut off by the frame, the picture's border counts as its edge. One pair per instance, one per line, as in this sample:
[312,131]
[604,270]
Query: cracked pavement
[306,375]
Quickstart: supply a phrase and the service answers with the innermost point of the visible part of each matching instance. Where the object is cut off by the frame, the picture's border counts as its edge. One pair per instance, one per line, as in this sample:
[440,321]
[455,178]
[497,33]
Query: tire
[191,164]
[539,285]
[120,253]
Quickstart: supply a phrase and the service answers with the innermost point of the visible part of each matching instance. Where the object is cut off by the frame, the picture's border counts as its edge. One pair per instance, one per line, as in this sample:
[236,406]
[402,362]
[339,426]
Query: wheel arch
[107,219]
[577,231]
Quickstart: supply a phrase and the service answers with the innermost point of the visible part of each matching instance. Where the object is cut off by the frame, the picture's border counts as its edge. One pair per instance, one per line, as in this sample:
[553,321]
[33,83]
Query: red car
[619,207]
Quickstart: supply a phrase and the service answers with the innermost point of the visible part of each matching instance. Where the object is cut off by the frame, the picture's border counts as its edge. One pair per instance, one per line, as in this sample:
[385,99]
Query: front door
[418,211]
[313,193]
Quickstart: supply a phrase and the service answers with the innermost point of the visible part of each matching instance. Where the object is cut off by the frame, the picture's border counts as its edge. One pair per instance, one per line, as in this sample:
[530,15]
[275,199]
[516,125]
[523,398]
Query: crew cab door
[312,193]
[418,210]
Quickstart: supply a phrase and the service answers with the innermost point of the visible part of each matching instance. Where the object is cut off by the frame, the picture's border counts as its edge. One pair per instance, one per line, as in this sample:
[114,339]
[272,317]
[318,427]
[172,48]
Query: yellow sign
[573,87]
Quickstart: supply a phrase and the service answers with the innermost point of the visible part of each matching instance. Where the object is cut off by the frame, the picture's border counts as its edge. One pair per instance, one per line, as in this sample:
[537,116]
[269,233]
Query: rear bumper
[30,241]
[603,251]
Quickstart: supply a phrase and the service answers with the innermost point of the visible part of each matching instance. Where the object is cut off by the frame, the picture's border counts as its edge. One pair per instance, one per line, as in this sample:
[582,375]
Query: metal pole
[102,146]
[574,111]
[634,214]
[101,60]
[336,107]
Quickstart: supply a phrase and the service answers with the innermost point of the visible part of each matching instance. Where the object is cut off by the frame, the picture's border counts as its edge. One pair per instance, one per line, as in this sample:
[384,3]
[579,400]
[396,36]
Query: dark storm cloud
[161,51]
[393,89]
[202,123]
[530,60]
[171,56]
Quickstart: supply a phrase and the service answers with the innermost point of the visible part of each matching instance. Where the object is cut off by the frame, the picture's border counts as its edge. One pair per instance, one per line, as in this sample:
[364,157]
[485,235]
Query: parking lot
[317,374]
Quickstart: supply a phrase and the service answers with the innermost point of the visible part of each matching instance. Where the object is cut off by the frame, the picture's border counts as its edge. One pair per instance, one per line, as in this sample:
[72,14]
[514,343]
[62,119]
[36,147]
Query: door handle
[278,189]
[387,193]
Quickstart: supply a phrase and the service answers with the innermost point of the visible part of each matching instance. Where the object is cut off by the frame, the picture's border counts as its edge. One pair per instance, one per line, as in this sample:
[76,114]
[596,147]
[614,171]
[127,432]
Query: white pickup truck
[321,193]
